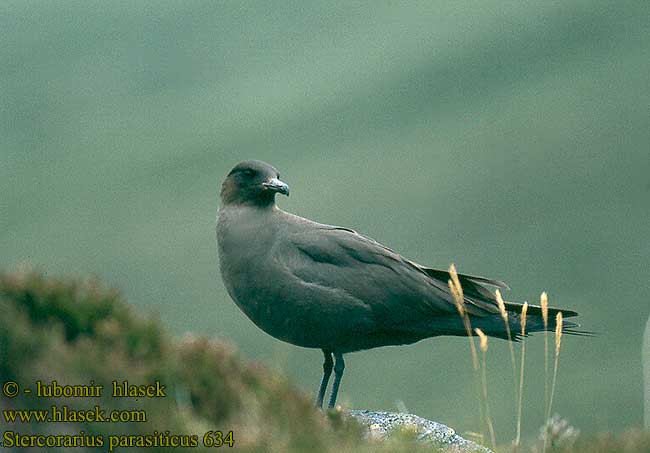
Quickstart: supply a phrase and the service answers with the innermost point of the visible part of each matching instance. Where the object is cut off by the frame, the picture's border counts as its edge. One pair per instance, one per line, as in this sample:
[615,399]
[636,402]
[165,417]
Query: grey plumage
[327,287]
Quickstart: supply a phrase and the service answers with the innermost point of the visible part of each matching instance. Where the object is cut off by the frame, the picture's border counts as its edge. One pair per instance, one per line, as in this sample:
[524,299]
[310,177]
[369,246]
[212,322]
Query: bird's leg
[327,372]
[338,374]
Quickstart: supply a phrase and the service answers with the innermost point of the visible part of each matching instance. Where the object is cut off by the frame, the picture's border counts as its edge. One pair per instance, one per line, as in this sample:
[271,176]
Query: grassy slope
[73,331]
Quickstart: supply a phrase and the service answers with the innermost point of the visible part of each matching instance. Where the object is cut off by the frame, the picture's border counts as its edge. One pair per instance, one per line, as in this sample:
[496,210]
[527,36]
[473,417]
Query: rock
[382,424]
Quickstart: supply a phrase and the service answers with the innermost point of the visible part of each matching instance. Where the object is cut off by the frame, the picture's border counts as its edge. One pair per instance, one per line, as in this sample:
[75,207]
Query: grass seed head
[544,304]
[484,339]
[502,305]
[456,290]
[558,332]
[524,311]
[454,278]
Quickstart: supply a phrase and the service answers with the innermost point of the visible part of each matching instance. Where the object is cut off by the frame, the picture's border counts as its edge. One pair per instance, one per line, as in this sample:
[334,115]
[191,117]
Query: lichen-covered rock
[383,424]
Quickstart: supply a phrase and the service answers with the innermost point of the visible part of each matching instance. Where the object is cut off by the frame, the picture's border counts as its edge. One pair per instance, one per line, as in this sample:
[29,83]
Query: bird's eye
[248,172]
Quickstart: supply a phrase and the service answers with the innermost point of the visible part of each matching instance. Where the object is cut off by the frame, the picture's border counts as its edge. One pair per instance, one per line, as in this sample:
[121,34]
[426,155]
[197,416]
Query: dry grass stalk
[544,304]
[524,311]
[459,299]
[504,314]
[513,362]
[484,347]
[558,342]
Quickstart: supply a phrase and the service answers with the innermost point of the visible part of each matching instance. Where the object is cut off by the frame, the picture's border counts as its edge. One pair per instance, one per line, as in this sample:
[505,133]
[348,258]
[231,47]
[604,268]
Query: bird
[328,287]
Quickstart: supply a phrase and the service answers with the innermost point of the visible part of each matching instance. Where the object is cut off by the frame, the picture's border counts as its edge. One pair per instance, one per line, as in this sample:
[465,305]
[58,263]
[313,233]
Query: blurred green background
[511,138]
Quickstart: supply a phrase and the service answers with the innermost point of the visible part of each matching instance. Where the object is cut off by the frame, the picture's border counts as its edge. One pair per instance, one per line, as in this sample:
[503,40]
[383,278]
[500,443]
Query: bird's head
[252,182]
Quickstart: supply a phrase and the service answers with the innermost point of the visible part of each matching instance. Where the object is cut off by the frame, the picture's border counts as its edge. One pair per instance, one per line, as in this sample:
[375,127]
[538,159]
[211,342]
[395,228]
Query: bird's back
[323,286]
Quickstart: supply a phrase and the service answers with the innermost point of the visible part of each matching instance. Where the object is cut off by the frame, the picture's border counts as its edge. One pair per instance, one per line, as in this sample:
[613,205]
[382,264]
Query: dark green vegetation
[75,331]
[511,138]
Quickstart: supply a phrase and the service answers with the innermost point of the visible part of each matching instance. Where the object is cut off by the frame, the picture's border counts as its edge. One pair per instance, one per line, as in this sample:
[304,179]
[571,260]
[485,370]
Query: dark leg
[327,371]
[338,374]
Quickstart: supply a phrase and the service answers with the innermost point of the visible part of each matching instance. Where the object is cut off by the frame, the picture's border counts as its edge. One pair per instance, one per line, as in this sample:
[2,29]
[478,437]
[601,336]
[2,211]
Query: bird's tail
[481,306]
[494,325]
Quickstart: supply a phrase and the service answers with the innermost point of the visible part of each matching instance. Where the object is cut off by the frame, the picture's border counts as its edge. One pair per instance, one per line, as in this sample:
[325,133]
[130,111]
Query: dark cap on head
[252,182]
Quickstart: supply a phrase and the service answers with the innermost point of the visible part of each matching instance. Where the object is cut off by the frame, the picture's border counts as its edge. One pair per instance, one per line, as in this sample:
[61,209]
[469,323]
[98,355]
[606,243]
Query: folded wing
[396,289]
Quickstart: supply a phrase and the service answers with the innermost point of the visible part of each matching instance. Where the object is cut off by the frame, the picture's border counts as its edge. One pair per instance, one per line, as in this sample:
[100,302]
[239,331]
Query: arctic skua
[328,287]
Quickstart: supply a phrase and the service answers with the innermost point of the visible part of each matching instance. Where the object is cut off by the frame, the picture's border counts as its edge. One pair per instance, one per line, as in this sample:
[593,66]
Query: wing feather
[395,288]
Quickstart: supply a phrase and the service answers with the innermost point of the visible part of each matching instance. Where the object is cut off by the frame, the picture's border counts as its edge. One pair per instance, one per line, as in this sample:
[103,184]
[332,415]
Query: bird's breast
[245,243]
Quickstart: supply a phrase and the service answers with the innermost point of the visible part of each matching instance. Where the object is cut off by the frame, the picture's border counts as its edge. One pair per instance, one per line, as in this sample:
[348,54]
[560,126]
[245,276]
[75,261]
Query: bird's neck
[232,195]
[241,223]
